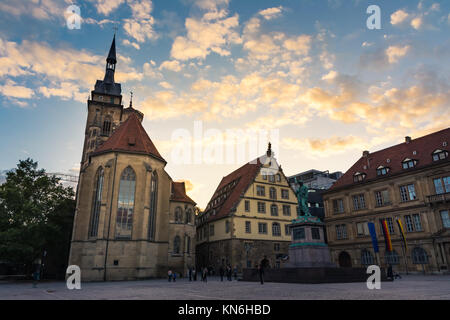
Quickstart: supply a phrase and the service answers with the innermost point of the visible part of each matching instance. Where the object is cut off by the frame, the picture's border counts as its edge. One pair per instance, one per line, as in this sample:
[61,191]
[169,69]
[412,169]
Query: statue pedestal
[308,248]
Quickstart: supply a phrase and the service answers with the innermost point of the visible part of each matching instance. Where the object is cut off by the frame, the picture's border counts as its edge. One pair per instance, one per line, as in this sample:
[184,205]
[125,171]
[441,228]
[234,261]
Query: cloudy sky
[309,70]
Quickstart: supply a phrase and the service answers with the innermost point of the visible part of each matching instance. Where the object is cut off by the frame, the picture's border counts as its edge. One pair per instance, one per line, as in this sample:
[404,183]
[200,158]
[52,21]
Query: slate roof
[420,149]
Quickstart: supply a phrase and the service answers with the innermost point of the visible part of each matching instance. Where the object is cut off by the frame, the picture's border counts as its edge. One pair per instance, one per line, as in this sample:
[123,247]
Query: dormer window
[358,177]
[440,155]
[409,163]
[382,171]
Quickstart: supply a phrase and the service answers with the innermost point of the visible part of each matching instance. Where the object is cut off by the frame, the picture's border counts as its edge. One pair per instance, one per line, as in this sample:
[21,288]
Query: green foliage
[36,214]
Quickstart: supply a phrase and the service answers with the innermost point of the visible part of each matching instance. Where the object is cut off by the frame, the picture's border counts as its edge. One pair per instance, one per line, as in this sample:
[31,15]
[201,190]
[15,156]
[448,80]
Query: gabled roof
[130,137]
[231,188]
[420,149]
[179,193]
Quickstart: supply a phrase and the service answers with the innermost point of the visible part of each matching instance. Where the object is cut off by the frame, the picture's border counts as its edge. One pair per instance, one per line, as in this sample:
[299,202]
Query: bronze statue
[302,198]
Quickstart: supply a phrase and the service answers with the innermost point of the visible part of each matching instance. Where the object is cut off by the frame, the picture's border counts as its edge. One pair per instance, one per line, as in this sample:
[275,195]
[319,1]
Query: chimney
[366,154]
[407,139]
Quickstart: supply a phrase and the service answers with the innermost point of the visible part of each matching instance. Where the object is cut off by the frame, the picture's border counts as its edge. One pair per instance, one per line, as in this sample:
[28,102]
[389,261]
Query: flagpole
[404,257]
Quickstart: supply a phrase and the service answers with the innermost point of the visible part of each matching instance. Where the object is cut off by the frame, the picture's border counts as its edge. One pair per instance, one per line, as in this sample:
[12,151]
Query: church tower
[105,108]
[132,221]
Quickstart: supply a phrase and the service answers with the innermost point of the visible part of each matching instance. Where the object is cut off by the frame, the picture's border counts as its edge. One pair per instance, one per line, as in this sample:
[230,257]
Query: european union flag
[373,234]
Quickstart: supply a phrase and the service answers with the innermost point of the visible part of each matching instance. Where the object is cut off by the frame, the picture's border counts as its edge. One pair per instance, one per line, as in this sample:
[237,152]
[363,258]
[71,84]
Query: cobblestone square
[412,287]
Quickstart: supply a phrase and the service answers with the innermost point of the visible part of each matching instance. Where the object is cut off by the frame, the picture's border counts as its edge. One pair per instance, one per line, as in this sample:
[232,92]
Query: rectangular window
[409,224]
[274,210]
[261,207]
[445,219]
[341,231]
[262,228]
[284,194]
[359,202]
[408,193]
[287,230]
[248,227]
[417,222]
[227,226]
[315,233]
[276,247]
[362,229]
[211,230]
[260,191]
[299,233]
[286,210]
[442,185]
[338,206]
[247,206]
[382,198]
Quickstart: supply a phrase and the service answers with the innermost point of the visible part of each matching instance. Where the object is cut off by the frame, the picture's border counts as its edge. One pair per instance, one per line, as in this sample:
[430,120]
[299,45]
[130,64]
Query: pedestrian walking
[169,275]
[174,277]
[262,266]
[390,273]
[205,275]
[235,272]
[194,271]
[190,274]
[222,272]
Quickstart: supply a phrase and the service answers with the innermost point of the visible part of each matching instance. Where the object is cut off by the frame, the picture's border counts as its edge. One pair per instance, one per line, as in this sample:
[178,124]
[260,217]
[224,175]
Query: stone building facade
[409,182]
[124,225]
[247,218]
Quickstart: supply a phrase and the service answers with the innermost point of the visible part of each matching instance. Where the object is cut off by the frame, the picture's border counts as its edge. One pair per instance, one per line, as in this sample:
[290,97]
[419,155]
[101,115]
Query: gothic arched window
[153,206]
[178,214]
[106,130]
[96,203]
[125,207]
[176,245]
[188,216]
[188,244]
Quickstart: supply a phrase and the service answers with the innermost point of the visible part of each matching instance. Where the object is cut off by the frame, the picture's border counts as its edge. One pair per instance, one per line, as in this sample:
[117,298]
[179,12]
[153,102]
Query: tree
[36,216]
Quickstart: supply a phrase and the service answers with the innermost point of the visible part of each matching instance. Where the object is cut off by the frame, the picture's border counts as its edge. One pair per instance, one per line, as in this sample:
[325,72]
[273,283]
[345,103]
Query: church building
[132,221]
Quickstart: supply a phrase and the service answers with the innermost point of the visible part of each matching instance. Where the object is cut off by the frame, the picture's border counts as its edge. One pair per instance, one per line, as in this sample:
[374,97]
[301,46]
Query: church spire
[111,62]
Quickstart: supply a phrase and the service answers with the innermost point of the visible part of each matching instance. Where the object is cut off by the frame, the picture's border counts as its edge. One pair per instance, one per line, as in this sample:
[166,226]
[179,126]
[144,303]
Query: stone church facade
[132,221]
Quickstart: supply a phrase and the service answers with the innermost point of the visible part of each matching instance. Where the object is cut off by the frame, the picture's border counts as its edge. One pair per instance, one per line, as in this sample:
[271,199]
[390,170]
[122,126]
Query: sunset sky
[310,69]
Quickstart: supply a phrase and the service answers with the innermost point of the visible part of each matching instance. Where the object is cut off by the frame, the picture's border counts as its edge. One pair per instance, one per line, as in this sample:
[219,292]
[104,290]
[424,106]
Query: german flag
[402,232]
[387,236]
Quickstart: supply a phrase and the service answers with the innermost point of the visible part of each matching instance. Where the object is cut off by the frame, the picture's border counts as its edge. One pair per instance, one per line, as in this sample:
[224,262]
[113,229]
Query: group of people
[228,271]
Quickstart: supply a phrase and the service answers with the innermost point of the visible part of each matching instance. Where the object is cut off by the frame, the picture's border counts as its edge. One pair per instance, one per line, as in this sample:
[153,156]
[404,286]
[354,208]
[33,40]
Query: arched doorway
[345,261]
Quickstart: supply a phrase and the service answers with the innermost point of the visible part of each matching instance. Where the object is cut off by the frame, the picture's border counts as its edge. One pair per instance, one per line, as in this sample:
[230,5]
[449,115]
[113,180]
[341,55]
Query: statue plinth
[308,248]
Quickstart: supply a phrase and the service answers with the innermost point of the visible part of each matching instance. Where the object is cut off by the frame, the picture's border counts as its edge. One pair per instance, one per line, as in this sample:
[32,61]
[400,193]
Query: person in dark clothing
[262,266]
[235,272]
[229,273]
[205,275]
[390,273]
[195,274]
[190,274]
[222,273]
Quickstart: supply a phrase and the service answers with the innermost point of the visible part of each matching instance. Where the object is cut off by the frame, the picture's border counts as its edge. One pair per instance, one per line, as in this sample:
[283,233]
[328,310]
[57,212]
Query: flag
[402,232]
[373,234]
[387,236]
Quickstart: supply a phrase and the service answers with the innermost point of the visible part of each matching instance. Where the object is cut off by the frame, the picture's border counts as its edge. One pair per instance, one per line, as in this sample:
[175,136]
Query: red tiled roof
[238,182]
[179,193]
[423,148]
[130,136]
